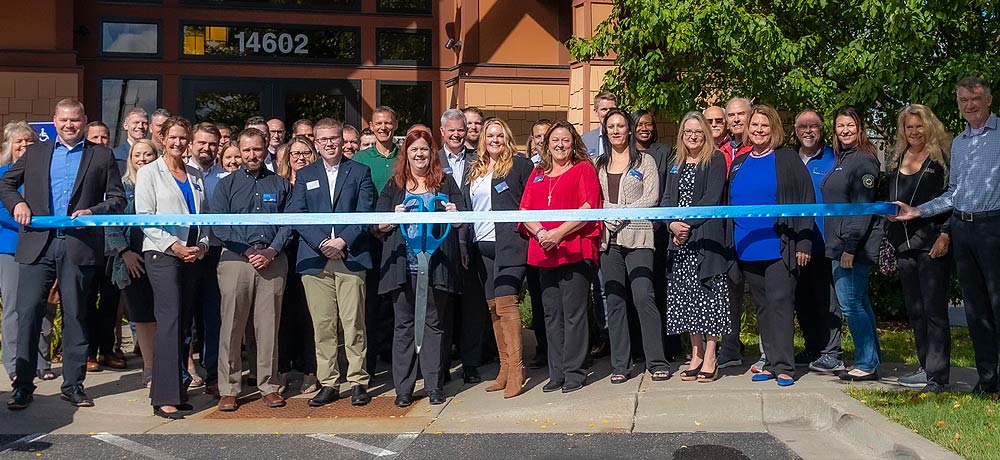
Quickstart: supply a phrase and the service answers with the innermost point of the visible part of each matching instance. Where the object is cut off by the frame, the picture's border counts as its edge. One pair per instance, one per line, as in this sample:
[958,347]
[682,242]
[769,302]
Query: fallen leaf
[939,423]
[697,423]
[544,426]
[957,436]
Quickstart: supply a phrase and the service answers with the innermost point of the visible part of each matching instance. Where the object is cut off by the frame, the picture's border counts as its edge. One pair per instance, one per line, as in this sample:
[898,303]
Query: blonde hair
[9,131]
[130,169]
[773,119]
[504,161]
[287,171]
[704,156]
[938,140]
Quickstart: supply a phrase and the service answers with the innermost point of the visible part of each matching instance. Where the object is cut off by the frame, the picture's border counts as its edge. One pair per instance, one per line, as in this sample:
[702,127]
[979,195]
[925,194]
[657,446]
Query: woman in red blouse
[564,252]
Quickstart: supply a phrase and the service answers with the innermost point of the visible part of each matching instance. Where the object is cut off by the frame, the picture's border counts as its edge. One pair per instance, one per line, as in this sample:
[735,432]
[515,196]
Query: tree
[879,55]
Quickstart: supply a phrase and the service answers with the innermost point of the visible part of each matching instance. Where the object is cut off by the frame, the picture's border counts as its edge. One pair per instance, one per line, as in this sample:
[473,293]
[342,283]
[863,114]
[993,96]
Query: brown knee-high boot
[510,322]
[501,380]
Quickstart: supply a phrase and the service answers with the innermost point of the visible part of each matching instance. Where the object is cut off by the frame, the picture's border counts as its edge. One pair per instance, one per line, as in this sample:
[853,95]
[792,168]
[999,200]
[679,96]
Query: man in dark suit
[68,176]
[333,259]
[457,160]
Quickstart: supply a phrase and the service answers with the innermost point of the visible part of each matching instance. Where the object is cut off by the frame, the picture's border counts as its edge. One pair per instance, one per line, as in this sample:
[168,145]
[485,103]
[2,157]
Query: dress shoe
[436,397]
[228,404]
[404,400]
[552,386]
[176,415]
[93,365]
[112,362]
[359,396]
[602,349]
[184,407]
[571,388]
[77,397]
[325,396]
[213,390]
[19,399]
[984,390]
[274,400]
[471,375]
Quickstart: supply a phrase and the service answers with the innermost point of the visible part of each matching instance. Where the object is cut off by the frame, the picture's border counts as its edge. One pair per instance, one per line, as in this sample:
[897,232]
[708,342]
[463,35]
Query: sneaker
[932,387]
[827,364]
[736,362]
[917,380]
[806,357]
[758,366]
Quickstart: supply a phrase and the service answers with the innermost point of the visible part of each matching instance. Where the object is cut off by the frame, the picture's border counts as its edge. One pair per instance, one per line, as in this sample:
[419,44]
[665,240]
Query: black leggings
[925,293]
[498,281]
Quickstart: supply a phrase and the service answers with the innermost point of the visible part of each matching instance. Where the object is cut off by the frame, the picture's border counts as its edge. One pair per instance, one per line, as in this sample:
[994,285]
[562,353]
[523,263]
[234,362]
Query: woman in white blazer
[169,186]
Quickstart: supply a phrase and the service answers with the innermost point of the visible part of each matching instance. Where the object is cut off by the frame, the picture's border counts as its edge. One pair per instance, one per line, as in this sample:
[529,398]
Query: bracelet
[540,231]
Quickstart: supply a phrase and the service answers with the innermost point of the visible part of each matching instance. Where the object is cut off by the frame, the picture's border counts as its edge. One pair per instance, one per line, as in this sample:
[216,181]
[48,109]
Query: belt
[60,233]
[974,216]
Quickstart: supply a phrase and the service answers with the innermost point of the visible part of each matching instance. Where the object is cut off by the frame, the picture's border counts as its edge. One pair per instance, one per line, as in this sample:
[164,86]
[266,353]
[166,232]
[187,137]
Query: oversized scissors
[423,243]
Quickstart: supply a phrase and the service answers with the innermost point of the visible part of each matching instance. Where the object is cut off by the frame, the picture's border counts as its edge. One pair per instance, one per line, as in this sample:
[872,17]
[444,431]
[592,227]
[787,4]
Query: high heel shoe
[176,415]
[690,375]
[708,377]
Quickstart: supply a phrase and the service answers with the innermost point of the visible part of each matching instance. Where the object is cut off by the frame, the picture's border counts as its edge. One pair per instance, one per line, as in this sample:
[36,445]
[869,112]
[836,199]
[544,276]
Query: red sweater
[569,190]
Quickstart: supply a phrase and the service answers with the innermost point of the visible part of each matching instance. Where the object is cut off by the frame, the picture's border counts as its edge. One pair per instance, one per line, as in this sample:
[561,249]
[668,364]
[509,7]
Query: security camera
[453,44]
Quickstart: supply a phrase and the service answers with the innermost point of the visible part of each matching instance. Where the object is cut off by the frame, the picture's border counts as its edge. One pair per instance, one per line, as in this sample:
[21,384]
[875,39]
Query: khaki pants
[245,290]
[336,297]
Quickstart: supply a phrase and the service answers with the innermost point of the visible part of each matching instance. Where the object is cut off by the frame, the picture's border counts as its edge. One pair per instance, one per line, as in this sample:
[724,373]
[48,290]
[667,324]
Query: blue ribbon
[365,218]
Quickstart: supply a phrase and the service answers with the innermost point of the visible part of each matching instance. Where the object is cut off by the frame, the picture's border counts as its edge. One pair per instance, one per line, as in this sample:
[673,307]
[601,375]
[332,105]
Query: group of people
[292,295]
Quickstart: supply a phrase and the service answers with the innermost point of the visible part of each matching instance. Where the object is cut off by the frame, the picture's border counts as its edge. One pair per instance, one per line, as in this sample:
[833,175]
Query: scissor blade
[420,303]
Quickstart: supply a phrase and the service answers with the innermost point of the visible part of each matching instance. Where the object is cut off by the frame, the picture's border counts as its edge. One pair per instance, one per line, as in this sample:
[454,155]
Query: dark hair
[474,110]
[634,157]
[579,149]
[367,132]
[209,128]
[635,122]
[251,132]
[176,121]
[401,168]
[864,143]
[255,120]
[98,124]
[541,122]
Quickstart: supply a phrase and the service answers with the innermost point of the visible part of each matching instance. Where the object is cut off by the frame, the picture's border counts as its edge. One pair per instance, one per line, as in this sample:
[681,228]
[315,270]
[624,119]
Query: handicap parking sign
[46,130]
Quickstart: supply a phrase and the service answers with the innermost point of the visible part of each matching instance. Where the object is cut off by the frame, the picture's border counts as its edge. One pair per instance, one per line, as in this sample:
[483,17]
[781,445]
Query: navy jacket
[353,192]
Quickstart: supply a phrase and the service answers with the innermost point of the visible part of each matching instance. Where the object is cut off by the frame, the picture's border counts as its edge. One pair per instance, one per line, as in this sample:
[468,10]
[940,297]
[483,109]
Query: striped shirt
[974,185]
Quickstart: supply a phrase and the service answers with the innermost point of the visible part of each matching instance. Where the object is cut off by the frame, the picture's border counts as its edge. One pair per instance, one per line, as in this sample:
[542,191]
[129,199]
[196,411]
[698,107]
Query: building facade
[223,60]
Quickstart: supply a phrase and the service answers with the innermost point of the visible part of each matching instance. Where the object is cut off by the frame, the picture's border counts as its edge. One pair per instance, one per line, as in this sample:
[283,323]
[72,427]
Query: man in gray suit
[64,177]
[603,103]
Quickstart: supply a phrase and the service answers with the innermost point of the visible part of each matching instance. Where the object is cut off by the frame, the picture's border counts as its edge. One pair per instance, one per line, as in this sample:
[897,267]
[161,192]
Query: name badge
[819,171]
[538,179]
[448,170]
[312,185]
[635,173]
[501,187]
[673,170]
[222,174]
[736,167]
[270,198]
[196,187]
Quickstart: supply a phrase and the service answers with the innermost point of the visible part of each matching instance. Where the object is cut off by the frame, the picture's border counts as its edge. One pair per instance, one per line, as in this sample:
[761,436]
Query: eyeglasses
[301,154]
[693,132]
[327,140]
[716,121]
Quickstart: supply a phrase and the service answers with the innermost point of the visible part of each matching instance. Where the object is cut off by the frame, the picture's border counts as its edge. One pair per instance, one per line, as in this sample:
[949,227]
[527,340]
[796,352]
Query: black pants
[497,281]
[672,345]
[296,344]
[925,292]
[732,347]
[174,294]
[378,313]
[816,306]
[467,322]
[977,252]
[599,312]
[33,285]
[102,315]
[772,289]
[564,295]
[207,313]
[537,311]
[405,360]
[630,271]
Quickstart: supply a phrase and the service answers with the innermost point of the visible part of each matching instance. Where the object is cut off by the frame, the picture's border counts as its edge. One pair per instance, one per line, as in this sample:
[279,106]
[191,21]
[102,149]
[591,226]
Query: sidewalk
[812,417]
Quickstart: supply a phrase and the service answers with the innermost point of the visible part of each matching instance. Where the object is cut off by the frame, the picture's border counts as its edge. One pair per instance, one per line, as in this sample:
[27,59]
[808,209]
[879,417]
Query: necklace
[552,185]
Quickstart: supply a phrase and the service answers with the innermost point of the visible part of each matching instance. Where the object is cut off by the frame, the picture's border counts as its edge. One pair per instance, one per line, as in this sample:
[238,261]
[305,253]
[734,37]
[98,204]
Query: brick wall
[519,104]
[31,96]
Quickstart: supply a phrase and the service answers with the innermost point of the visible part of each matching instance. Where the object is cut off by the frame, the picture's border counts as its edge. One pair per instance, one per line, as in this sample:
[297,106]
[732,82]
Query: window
[130,38]
[119,95]
[410,100]
[404,6]
[316,5]
[228,107]
[403,46]
[340,45]
[314,106]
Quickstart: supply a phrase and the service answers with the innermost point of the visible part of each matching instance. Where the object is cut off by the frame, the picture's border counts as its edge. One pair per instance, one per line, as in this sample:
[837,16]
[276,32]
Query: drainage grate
[299,408]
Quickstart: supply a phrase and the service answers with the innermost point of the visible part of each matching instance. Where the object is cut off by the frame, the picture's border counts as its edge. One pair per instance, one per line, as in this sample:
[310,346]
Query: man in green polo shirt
[381,156]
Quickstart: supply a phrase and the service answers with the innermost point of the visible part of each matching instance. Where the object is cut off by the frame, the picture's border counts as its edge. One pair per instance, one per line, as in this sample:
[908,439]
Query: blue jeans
[851,285]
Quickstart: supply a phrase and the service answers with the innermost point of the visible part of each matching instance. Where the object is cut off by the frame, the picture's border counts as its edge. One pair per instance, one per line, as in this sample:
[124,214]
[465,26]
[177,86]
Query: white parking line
[133,446]
[23,441]
[400,444]
[333,439]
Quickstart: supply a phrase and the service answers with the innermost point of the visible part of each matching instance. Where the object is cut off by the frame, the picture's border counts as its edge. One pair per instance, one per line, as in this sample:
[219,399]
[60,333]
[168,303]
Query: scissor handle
[424,240]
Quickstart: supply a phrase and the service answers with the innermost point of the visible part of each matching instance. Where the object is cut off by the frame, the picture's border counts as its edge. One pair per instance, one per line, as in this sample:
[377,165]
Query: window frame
[148,77]
[354,7]
[406,11]
[379,60]
[429,85]
[129,55]
[289,60]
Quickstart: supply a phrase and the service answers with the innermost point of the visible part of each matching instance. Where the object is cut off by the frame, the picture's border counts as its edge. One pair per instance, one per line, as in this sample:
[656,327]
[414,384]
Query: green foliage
[677,55]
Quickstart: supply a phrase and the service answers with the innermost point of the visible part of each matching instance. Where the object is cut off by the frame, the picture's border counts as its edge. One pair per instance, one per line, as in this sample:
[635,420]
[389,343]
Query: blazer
[353,192]
[98,187]
[794,187]
[511,245]
[592,140]
[663,155]
[446,261]
[156,192]
[470,157]
[715,254]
